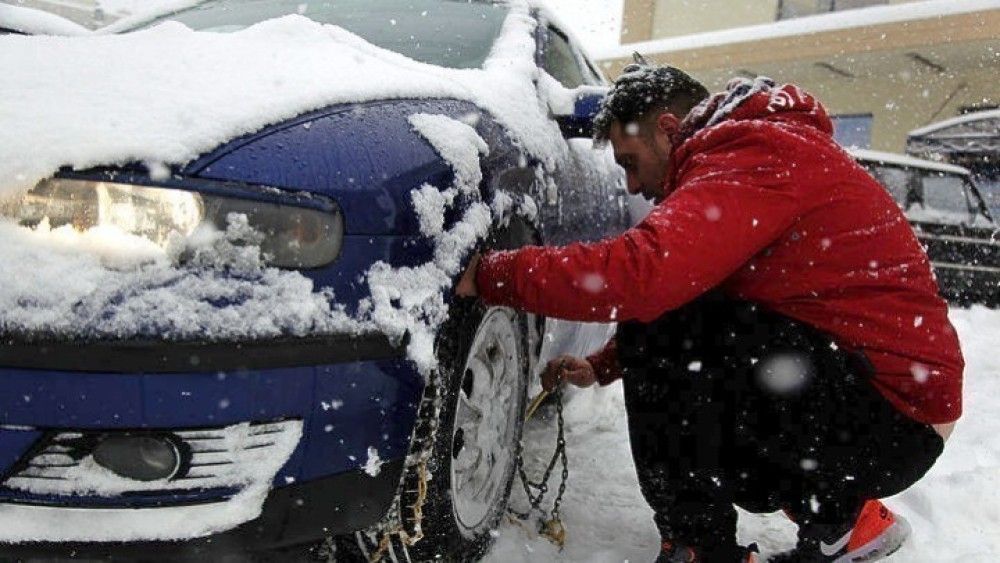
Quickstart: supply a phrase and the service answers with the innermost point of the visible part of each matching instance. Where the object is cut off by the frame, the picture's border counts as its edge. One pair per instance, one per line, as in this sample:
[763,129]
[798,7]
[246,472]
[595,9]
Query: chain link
[558,455]
[418,514]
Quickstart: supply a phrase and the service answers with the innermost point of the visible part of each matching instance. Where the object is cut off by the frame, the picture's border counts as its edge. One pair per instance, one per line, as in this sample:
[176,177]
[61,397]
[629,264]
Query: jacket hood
[760,98]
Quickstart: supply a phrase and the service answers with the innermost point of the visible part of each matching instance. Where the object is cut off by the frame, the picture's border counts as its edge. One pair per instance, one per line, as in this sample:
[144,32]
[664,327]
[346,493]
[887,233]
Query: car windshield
[450,33]
[927,195]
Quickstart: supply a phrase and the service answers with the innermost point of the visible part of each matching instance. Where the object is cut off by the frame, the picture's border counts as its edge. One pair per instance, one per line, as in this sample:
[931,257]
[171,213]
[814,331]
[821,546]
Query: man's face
[643,150]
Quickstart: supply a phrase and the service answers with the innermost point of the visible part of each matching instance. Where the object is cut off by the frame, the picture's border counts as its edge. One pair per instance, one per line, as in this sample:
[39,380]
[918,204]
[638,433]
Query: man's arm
[605,363]
[731,205]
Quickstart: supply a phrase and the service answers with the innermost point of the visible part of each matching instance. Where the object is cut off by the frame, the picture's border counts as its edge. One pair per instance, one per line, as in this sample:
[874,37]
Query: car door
[585,200]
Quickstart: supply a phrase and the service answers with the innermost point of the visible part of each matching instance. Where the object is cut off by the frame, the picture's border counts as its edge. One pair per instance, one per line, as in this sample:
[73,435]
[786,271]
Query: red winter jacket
[766,206]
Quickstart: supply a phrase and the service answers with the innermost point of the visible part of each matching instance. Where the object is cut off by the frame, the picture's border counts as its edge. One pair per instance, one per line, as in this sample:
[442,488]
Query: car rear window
[450,33]
[925,195]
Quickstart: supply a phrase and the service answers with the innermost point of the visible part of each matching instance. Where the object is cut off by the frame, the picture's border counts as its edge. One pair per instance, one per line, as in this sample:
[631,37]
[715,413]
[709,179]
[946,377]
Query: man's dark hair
[643,88]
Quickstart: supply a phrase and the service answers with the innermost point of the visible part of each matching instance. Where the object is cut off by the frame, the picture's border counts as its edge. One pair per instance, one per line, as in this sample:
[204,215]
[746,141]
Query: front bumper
[351,396]
[147,356]
[968,284]
[293,518]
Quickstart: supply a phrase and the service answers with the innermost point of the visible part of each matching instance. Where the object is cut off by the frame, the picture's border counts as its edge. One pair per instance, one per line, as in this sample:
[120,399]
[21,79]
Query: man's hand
[467,285]
[577,371]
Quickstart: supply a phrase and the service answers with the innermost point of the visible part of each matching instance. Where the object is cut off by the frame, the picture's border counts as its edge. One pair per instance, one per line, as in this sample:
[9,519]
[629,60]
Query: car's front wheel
[475,406]
[484,361]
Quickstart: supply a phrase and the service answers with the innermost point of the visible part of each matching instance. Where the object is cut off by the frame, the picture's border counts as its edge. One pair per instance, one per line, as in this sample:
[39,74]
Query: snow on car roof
[944,124]
[905,160]
[37,22]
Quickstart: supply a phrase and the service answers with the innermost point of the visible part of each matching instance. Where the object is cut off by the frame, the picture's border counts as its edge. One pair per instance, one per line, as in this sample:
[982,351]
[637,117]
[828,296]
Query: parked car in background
[951,220]
[128,448]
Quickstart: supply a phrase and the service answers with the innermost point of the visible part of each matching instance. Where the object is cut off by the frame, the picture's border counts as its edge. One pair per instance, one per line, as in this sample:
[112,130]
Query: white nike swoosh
[831,549]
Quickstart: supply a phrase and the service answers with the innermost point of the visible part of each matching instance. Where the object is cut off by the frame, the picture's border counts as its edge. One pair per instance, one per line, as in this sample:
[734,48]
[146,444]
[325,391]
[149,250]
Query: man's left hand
[467,285]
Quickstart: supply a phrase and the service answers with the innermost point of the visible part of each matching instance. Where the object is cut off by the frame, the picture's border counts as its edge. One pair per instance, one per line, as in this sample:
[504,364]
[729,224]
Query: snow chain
[550,527]
[408,528]
[413,487]
[417,510]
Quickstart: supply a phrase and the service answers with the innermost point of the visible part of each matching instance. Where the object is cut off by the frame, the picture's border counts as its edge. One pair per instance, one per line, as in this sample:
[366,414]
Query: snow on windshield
[166,95]
[451,34]
[37,22]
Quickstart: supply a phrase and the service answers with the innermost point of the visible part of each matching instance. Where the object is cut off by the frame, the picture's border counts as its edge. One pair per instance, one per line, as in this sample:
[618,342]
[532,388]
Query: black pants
[729,403]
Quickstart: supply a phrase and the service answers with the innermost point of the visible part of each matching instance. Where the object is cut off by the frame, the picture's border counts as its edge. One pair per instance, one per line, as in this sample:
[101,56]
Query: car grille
[232,457]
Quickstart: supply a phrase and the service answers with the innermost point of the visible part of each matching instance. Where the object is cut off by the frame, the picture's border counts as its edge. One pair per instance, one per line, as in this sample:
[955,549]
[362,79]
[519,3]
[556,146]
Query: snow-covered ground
[954,509]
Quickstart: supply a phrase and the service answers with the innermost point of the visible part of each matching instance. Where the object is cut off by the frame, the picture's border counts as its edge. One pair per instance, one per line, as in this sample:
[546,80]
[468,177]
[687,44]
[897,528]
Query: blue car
[153,446]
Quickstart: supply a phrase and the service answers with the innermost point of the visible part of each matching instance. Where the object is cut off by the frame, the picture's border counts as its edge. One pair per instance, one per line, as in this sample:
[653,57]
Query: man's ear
[668,123]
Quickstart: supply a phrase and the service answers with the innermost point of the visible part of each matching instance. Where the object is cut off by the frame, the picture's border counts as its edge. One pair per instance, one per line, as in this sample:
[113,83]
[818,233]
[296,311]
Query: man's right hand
[577,371]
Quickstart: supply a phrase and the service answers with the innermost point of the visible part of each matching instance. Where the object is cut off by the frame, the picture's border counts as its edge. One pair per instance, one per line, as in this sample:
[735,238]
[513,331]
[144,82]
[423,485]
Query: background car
[124,447]
[950,219]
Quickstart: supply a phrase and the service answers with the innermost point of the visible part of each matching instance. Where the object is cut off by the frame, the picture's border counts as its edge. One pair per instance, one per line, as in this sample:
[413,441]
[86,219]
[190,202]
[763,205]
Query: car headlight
[293,236]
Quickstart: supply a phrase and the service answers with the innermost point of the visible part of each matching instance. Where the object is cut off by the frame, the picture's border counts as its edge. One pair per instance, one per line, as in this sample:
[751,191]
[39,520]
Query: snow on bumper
[243,457]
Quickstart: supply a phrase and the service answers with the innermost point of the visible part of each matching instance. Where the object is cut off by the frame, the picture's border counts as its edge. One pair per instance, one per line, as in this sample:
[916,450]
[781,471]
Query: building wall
[682,17]
[898,102]
[655,19]
[637,20]
[899,106]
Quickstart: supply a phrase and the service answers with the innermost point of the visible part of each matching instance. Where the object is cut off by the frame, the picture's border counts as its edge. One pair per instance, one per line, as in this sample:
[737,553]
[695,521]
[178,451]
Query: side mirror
[577,120]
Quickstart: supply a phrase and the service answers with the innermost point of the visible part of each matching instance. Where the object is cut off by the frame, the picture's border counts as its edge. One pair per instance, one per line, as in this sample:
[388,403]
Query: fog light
[142,458]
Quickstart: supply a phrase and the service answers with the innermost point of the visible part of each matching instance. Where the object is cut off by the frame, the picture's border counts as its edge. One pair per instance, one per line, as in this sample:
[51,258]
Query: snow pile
[955,508]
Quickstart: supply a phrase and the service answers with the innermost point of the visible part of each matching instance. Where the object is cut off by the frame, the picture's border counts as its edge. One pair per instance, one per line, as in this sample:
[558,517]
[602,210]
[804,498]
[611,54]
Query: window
[927,195]
[945,192]
[898,181]
[853,130]
[560,61]
[797,8]
[451,34]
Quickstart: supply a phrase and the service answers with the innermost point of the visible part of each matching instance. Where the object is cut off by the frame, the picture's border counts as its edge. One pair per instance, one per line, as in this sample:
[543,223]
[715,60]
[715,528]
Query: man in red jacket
[781,340]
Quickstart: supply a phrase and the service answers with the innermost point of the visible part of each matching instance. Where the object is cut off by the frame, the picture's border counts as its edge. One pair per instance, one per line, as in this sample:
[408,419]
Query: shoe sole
[887,543]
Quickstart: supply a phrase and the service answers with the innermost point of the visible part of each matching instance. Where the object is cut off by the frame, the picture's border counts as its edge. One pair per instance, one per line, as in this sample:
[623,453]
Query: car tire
[483,359]
[454,527]
[445,538]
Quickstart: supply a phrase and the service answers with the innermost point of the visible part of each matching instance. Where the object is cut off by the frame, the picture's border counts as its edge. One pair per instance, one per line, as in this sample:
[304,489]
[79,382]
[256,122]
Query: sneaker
[876,533]
[671,552]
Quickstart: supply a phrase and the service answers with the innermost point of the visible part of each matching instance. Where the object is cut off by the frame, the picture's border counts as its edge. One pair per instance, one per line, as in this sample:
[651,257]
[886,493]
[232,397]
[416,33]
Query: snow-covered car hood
[167,94]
